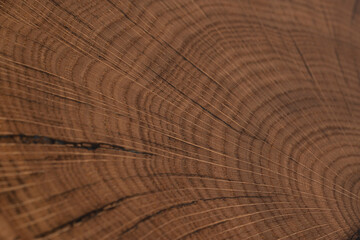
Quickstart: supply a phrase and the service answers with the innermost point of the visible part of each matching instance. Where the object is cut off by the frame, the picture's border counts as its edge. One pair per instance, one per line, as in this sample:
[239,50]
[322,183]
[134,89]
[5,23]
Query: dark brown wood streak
[179,119]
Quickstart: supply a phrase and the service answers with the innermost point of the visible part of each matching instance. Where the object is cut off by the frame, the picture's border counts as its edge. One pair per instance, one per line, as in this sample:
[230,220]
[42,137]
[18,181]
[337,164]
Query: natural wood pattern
[169,119]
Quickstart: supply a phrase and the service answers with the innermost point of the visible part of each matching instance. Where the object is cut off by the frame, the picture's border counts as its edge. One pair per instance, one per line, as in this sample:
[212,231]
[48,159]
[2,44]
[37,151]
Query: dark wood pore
[179,119]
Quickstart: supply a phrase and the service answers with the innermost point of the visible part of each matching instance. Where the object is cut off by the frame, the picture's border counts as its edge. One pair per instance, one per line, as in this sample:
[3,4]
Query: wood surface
[179,119]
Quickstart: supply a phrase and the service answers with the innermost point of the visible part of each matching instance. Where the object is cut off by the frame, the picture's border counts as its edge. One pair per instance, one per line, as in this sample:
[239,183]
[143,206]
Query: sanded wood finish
[179,119]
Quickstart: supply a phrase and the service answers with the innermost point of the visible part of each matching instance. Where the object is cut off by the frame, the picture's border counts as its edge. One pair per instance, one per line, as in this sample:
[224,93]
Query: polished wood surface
[179,119]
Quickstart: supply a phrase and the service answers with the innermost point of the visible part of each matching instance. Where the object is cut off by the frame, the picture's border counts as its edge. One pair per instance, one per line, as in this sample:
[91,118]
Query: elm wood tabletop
[179,119]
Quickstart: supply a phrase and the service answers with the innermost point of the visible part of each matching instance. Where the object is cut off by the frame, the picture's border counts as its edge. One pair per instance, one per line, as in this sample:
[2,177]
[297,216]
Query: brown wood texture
[179,119]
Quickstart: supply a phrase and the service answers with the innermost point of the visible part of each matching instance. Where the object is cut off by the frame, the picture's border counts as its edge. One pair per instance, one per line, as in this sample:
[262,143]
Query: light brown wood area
[179,119]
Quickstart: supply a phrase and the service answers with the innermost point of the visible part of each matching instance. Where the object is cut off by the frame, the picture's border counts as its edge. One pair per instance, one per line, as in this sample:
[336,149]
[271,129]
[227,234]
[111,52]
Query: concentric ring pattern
[179,119]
